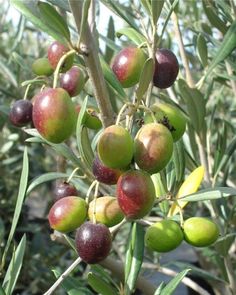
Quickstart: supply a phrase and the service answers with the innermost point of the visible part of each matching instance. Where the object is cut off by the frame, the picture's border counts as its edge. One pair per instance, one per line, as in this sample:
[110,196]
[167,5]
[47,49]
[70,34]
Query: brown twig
[93,65]
[183,55]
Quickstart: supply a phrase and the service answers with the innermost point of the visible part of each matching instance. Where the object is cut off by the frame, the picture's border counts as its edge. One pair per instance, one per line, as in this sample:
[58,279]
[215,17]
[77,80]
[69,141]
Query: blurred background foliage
[203,25]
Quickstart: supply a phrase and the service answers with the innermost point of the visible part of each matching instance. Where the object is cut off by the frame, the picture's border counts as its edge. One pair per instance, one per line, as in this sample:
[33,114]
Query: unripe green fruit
[115,147]
[153,147]
[67,214]
[174,116]
[200,231]
[163,236]
[42,67]
[91,120]
[107,211]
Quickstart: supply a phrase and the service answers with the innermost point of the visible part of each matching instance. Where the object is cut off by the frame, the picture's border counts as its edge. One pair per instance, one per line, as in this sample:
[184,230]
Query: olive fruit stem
[72,174]
[95,201]
[63,276]
[120,113]
[27,91]
[60,63]
[93,184]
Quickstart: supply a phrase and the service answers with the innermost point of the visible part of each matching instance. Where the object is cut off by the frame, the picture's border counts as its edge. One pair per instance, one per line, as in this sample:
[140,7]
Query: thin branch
[183,55]
[63,276]
[93,65]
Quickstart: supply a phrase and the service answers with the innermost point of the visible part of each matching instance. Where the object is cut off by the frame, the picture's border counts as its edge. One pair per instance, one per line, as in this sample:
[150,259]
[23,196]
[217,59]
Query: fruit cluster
[52,111]
[120,160]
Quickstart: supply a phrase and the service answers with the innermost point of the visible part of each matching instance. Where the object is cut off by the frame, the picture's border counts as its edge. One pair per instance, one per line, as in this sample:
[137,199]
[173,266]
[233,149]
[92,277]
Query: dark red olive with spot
[135,193]
[55,51]
[64,189]
[105,174]
[21,112]
[93,242]
[166,68]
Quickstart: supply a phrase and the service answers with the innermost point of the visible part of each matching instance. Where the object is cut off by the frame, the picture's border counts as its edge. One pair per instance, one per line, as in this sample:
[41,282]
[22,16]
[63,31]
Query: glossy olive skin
[107,211]
[115,147]
[64,189]
[200,231]
[128,65]
[54,114]
[163,236]
[93,242]
[42,67]
[166,68]
[105,174]
[67,214]
[135,193]
[173,114]
[55,51]
[73,81]
[21,112]
[153,147]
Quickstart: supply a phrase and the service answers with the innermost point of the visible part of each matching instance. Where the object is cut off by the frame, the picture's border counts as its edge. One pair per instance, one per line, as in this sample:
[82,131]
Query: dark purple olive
[21,112]
[72,81]
[64,189]
[105,174]
[93,242]
[166,68]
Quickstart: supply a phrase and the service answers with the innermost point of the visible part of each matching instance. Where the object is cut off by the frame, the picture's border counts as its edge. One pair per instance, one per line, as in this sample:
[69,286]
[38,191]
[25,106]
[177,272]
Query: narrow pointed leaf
[19,202]
[172,8]
[134,257]
[84,20]
[195,270]
[111,36]
[131,34]
[147,6]
[121,11]
[213,17]
[83,141]
[196,104]
[53,19]
[99,285]
[223,244]
[44,178]
[227,46]
[156,9]
[172,285]
[14,267]
[210,194]
[202,50]
[145,78]
[160,288]
[6,72]
[30,10]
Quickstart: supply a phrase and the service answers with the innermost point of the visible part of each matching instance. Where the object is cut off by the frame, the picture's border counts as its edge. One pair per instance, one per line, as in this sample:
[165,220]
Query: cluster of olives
[51,110]
[120,160]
